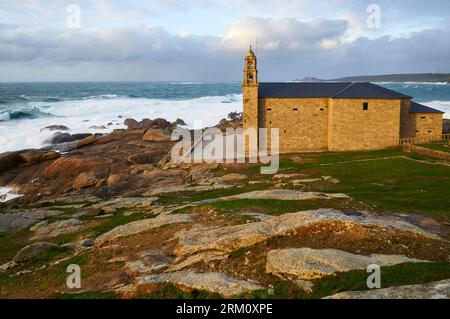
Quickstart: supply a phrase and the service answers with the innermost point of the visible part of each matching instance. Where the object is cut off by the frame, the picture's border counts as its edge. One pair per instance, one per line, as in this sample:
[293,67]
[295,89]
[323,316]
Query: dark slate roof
[422,109]
[343,90]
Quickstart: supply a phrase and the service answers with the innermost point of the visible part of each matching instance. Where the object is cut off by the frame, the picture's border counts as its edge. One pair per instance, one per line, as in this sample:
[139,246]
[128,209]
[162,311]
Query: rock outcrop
[22,219]
[141,226]
[278,194]
[45,229]
[310,264]
[212,282]
[231,238]
[84,180]
[36,251]
[157,135]
[434,290]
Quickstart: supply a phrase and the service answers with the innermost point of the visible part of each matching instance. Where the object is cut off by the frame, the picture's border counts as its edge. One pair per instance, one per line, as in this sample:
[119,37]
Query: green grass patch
[169,291]
[11,243]
[89,295]
[442,146]
[275,207]
[189,197]
[399,275]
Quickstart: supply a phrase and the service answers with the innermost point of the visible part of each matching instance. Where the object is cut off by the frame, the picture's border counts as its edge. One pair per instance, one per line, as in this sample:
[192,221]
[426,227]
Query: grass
[399,275]
[395,184]
[169,291]
[11,243]
[442,146]
[189,197]
[278,207]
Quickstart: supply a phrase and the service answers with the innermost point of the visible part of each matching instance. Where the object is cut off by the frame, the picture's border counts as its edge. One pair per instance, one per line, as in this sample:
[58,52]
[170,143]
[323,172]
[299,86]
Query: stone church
[334,116]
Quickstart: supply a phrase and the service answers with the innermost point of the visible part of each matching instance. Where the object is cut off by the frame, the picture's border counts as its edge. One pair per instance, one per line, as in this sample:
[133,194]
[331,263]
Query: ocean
[27,108]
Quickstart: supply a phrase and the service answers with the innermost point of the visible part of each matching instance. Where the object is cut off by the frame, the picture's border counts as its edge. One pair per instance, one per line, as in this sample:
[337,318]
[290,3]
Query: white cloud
[278,34]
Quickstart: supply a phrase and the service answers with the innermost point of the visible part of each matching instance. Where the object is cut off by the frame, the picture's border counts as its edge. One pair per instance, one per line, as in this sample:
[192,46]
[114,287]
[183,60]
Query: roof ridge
[383,89]
[344,89]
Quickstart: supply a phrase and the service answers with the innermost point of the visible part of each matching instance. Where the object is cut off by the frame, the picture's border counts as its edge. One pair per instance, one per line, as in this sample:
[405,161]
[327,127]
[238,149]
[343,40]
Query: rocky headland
[139,225]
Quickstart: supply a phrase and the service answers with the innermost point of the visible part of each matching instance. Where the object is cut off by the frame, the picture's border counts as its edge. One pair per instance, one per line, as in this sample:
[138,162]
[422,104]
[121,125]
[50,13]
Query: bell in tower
[250,70]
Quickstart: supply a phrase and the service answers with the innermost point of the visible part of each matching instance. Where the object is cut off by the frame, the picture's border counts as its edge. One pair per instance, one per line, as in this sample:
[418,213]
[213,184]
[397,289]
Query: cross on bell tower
[250,69]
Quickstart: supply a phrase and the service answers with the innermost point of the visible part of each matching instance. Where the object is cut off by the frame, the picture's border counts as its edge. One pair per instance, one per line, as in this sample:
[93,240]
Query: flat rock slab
[310,264]
[23,219]
[186,188]
[276,194]
[231,238]
[142,226]
[44,229]
[149,261]
[111,206]
[36,250]
[212,282]
[434,290]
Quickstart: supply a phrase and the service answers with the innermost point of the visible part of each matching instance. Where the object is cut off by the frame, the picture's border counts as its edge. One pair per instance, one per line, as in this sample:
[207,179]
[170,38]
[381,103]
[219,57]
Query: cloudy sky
[205,40]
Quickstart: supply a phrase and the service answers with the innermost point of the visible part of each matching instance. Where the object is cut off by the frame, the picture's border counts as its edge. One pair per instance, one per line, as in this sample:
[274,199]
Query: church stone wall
[302,123]
[407,120]
[353,128]
[428,125]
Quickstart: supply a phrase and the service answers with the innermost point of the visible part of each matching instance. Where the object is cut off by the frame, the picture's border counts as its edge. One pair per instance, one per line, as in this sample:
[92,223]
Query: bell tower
[250,95]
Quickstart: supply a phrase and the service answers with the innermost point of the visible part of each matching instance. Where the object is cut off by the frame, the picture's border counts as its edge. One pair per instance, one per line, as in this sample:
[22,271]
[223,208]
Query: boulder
[36,251]
[56,128]
[97,127]
[148,157]
[75,165]
[12,222]
[158,124]
[59,138]
[433,290]
[36,156]
[310,264]
[70,146]
[9,160]
[47,229]
[132,124]
[213,282]
[179,122]
[141,226]
[85,180]
[157,135]
[116,179]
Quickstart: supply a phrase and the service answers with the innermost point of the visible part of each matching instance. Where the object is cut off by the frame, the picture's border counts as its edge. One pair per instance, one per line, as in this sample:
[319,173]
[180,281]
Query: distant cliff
[425,77]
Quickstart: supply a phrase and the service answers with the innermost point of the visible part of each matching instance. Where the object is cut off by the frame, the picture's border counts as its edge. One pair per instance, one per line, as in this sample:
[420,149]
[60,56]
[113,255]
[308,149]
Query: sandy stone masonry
[334,123]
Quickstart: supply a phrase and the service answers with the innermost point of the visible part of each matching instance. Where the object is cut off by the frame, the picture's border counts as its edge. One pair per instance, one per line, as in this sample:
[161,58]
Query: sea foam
[82,115]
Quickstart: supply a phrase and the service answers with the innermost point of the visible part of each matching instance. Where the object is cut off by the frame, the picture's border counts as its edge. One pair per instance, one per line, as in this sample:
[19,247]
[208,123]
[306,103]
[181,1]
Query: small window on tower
[269,109]
[295,109]
[365,106]
[423,117]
